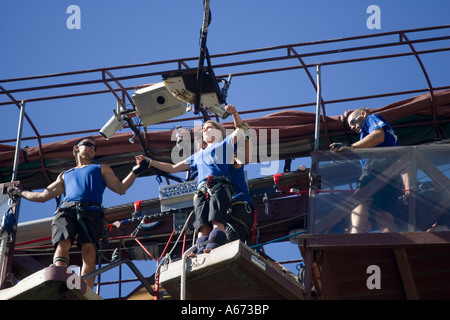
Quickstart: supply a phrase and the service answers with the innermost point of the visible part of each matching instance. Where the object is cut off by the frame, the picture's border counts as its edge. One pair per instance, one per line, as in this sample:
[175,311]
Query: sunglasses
[88,144]
[353,121]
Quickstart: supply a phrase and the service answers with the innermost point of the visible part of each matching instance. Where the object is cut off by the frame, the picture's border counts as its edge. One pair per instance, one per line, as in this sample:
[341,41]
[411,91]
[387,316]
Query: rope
[168,241]
[167,256]
[183,272]
[83,226]
[143,247]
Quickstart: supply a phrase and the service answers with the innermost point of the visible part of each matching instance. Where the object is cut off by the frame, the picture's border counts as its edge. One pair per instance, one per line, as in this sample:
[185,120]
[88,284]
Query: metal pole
[201,59]
[18,142]
[5,234]
[2,256]
[318,106]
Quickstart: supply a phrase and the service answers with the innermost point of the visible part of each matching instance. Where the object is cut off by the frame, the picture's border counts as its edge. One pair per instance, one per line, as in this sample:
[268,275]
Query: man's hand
[14,192]
[143,163]
[339,146]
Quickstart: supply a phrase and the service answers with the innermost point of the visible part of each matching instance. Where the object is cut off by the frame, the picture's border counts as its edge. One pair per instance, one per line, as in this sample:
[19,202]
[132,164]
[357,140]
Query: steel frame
[105,76]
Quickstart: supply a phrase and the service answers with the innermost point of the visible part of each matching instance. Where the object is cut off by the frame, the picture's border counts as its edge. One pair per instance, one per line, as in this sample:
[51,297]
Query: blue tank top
[84,184]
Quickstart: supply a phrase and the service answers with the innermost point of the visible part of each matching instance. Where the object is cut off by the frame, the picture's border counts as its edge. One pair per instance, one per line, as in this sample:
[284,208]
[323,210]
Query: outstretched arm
[53,190]
[164,166]
[239,133]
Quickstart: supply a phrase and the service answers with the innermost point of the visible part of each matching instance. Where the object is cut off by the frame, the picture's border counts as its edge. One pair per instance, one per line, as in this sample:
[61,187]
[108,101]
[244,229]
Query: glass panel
[393,189]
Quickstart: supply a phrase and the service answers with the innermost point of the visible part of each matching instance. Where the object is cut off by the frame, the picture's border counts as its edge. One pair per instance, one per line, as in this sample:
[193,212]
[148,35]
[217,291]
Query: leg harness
[207,190]
[63,259]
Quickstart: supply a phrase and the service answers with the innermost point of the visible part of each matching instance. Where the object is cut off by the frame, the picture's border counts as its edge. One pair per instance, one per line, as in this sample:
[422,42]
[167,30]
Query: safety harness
[205,186]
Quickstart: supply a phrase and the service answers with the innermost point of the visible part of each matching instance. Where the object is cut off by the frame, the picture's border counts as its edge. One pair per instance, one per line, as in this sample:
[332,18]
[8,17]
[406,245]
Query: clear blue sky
[36,40]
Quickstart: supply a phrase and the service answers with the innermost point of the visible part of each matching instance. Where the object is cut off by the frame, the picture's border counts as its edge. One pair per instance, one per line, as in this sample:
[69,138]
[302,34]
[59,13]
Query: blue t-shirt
[84,184]
[213,160]
[374,122]
[240,185]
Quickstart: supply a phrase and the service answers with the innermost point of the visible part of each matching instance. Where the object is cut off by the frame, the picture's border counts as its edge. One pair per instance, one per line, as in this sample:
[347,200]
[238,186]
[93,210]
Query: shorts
[215,208]
[386,198]
[240,222]
[65,225]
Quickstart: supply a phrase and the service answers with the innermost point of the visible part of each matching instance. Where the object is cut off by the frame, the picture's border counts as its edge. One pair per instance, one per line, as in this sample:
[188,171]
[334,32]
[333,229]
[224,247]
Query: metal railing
[117,263]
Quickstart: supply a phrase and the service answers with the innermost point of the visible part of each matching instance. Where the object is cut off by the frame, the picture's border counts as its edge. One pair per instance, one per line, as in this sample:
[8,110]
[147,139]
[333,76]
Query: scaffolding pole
[4,237]
[318,106]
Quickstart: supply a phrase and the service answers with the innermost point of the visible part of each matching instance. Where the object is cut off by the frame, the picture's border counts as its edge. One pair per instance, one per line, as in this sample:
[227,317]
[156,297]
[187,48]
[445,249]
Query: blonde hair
[199,143]
[218,126]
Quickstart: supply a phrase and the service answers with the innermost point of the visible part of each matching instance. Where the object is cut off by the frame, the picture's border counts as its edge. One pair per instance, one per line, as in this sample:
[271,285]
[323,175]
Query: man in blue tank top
[374,131]
[81,211]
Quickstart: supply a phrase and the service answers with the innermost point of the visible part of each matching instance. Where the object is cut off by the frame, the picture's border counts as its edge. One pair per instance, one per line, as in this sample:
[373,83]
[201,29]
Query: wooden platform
[409,265]
[233,271]
[50,284]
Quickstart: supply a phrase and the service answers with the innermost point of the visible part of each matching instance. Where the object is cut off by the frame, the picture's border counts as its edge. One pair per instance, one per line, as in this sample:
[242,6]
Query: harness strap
[207,190]
[82,204]
[83,226]
[63,259]
[208,187]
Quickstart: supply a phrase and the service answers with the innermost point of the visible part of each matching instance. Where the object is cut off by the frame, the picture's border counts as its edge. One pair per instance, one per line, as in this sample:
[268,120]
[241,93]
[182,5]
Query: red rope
[144,248]
[167,244]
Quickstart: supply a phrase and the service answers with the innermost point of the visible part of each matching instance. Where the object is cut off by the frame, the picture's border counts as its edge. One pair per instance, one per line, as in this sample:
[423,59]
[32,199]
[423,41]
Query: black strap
[82,204]
[62,259]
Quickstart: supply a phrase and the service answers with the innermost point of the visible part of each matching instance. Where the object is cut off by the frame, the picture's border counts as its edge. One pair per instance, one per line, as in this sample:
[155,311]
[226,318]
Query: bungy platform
[233,271]
[51,283]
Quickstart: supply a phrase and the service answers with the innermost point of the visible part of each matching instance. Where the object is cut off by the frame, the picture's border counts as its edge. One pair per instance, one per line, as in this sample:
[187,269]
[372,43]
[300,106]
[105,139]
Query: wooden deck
[50,284]
[390,266]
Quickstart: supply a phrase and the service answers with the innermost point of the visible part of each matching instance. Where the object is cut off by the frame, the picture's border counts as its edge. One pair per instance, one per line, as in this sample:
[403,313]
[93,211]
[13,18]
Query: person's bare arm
[238,123]
[164,166]
[236,117]
[371,140]
[53,190]
[113,182]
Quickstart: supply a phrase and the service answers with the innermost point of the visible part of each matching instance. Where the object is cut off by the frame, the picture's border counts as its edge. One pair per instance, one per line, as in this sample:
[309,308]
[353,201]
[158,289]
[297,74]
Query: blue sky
[36,40]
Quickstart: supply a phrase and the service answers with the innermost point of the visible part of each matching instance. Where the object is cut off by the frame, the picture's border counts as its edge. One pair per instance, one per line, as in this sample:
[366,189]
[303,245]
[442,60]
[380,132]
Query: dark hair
[77,142]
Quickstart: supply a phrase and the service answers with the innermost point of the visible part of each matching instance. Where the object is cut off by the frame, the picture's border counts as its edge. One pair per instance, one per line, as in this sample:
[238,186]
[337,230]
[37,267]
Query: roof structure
[44,160]
[422,117]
